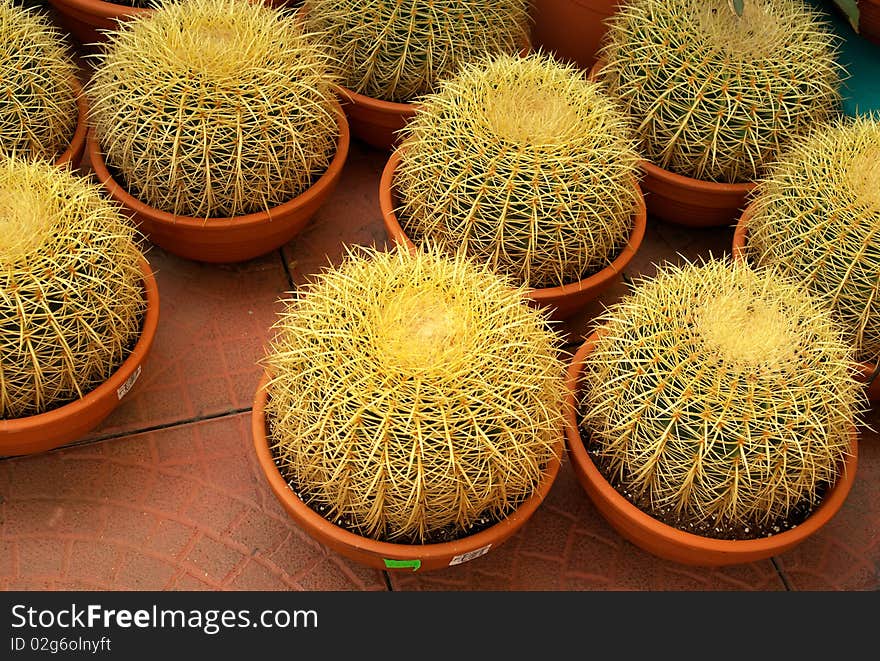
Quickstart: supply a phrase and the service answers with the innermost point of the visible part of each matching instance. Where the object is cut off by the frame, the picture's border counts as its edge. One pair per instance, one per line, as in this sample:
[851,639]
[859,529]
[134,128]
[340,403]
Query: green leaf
[737,6]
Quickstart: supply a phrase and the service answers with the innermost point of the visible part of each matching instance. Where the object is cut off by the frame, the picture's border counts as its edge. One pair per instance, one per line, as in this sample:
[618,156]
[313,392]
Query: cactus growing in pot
[391,53]
[38,104]
[815,216]
[413,398]
[720,400]
[194,133]
[715,96]
[75,293]
[524,164]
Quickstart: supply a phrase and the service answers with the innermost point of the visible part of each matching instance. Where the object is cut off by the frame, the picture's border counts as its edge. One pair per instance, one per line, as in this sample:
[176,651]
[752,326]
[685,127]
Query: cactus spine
[720,397]
[214,108]
[524,164]
[816,217]
[398,51]
[38,110]
[71,290]
[713,95]
[413,396]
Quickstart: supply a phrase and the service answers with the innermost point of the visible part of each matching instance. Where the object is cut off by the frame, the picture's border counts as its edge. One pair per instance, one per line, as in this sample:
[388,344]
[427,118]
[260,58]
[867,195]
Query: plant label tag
[470,555]
[122,390]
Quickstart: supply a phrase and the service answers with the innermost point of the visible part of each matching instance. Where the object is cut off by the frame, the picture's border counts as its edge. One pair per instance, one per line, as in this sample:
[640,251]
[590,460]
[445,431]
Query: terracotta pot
[571,29]
[68,423]
[87,19]
[666,541]
[562,301]
[226,240]
[674,198]
[73,155]
[374,121]
[869,20]
[865,372]
[389,555]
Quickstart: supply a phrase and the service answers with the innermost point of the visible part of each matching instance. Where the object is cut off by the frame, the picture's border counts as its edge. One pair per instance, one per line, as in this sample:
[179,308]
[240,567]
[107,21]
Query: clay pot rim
[577,453]
[219,224]
[74,152]
[740,234]
[102,8]
[407,109]
[390,550]
[680,180]
[59,416]
[541,294]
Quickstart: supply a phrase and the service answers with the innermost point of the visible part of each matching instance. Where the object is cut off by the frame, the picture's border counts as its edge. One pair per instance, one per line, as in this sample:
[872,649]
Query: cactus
[71,287]
[38,110]
[413,397]
[524,164]
[214,108]
[720,398]
[397,51]
[816,217]
[716,96]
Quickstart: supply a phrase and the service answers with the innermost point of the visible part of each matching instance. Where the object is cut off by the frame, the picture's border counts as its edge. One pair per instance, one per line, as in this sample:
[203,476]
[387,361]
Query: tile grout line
[781,573]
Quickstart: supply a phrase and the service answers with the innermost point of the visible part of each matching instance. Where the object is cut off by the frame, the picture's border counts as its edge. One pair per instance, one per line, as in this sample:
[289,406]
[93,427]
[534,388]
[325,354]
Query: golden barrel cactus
[413,398]
[720,399]
[71,287]
[714,95]
[38,110]
[524,164]
[399,50]
[214,108]
[816,217]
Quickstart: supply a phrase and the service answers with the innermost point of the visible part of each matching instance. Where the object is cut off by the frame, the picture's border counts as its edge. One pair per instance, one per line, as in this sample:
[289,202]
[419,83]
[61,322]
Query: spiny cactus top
[397,50]
[715,96]
[214,108]
[413,396]
[720,396]
[524,164]
[38,109]
[71,287]
[816,217]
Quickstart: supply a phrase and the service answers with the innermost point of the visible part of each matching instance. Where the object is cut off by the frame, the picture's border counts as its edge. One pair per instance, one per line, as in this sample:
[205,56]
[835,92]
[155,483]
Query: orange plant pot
[869,20]
[86,20]
[389,555]
[562,301]
[865,372]
[68,423]
[571,29]
[374,121]
[666,541]
[73,155]
[226,240]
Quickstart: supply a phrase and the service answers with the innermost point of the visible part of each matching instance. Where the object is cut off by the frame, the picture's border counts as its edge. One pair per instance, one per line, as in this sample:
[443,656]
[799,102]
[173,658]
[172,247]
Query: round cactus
[397,51]
[816,217]
[524,164]
[38,109]
[413,397]
[71,287]
[214,108]
[713,95]
[720,398]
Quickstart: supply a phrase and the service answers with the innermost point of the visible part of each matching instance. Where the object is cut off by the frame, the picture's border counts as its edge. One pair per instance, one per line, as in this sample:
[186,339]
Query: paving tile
[216,519]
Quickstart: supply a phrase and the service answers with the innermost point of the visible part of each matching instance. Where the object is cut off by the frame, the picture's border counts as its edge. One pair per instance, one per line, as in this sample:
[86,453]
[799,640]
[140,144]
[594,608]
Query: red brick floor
[167,494]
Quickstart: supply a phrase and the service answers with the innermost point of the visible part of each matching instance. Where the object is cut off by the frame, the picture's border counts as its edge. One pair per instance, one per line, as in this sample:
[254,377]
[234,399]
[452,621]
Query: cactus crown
[38,110]
[71,287]
[524,164]
[816,217]
[398,50]
[214,108]
[720,398]
[714,95]
[413,396]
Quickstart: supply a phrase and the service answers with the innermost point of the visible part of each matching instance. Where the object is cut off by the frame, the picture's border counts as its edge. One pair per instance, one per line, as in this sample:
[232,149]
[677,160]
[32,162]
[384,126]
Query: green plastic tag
[402,564]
